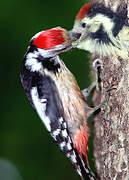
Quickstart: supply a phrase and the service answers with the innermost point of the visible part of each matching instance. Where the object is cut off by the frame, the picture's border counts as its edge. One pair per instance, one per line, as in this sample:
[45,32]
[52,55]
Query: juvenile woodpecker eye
[83,25]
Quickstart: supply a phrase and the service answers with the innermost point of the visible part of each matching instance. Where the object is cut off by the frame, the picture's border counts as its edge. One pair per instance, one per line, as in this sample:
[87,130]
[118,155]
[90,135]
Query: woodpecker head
[53,41]
[45,47]
[102,31]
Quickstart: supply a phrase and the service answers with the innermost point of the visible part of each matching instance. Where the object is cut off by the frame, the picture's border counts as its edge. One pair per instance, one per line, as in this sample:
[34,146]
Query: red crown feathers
[83,11]
[49,39]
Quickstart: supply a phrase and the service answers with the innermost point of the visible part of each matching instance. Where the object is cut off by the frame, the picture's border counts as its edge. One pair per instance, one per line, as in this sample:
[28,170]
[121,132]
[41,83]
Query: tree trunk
[111,135]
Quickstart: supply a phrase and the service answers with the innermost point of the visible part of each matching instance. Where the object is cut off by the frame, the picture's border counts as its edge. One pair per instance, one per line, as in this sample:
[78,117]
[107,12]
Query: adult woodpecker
[54,93]
[104,32]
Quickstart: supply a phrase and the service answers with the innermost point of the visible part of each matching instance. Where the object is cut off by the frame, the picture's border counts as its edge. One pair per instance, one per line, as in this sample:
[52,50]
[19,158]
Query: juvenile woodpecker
[103,31]
[54,93]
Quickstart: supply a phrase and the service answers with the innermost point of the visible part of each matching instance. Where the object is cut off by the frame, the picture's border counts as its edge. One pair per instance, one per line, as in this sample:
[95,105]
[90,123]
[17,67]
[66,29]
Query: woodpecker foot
[105,105]
[97,63]
[95,84]
[86,92]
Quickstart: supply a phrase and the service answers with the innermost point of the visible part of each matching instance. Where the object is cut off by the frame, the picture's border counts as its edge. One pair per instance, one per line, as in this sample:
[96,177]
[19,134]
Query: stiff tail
[83,169]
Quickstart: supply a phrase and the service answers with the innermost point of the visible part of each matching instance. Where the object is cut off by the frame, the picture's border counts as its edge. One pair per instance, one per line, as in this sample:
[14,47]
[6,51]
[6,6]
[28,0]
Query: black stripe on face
[101,36]
[49,64]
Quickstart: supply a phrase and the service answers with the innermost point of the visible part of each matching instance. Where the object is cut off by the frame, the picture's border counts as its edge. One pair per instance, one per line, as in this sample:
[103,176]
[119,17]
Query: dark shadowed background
[27,151]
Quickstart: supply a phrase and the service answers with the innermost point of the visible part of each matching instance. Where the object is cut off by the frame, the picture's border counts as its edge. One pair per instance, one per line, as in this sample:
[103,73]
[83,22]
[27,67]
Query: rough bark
[111,138]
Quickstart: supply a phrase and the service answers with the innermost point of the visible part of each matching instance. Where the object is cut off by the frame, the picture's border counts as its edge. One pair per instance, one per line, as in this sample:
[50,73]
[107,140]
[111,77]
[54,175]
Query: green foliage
[23,138]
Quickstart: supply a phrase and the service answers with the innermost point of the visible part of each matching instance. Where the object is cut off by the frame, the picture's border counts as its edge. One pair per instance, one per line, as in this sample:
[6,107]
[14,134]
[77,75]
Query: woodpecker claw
[97,63]
[86,92]
[95,84]
[105,105]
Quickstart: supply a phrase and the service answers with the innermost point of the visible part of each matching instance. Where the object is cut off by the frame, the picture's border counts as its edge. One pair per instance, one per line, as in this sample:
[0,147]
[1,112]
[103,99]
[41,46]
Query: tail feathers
[80,141]
[83,170]
[80,144]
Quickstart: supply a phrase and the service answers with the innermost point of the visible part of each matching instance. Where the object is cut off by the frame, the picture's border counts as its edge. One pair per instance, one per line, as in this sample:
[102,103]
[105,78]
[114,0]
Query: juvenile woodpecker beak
[75,37]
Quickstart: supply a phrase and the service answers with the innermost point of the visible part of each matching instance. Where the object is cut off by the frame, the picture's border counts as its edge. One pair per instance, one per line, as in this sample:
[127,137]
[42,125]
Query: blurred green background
[24,141]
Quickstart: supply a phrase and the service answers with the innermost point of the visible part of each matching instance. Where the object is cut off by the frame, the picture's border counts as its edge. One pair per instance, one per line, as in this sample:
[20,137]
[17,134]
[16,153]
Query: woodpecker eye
[83,25]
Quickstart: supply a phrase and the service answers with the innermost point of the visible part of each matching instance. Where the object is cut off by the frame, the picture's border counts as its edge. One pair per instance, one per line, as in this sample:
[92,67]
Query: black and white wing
[44,98]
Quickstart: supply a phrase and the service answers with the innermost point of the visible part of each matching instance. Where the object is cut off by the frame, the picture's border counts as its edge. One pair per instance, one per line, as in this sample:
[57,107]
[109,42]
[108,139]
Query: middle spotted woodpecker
[54,93]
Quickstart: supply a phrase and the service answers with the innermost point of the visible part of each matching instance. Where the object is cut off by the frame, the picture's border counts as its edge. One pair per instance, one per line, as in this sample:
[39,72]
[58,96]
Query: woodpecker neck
[37,60]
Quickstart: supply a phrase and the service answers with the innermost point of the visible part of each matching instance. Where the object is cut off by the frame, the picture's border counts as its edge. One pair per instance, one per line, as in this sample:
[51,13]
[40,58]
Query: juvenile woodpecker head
[103,31]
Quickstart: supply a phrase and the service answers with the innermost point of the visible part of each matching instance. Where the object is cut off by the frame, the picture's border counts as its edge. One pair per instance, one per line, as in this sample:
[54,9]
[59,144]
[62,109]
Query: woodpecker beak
[76,38]
[70,39]
[73,37]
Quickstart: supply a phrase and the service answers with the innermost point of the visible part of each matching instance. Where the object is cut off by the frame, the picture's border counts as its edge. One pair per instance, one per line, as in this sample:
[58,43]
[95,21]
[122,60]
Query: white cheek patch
[99,19]
[32,63]
[40,108]
[106,20]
